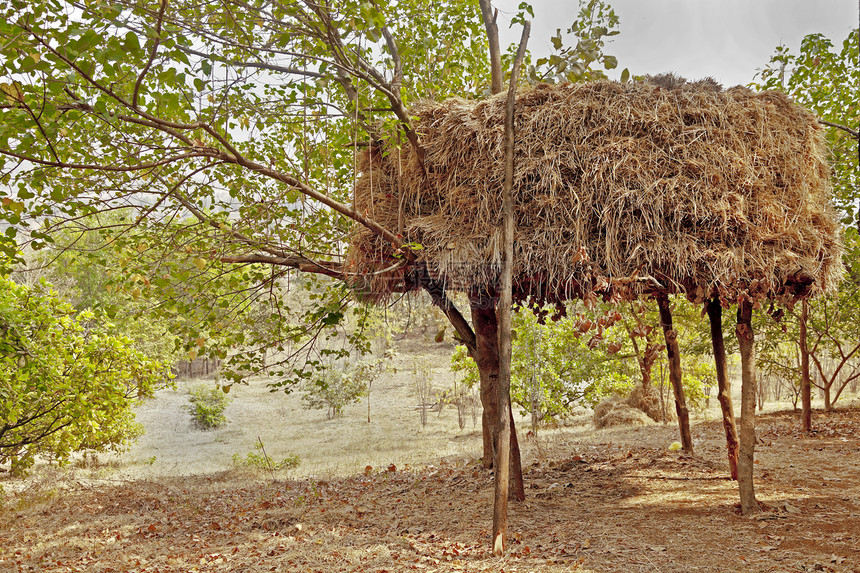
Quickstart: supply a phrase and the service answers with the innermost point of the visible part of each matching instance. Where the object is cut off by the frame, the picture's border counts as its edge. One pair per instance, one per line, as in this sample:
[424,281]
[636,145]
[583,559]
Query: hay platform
[619,190]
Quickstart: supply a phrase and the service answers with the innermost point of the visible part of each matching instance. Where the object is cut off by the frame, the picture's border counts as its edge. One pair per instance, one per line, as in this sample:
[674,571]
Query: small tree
[332,390]
[422,373]
[206,404]
[823,77]
[67,382]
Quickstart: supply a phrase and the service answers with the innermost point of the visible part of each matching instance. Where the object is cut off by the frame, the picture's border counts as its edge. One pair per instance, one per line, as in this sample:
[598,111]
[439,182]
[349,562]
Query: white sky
[728,40]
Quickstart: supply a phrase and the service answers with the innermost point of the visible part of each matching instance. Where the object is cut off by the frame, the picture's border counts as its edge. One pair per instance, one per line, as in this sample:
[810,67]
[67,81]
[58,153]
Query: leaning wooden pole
[503,447]
[674,358]
[518,489]
[724,387]
[746,341]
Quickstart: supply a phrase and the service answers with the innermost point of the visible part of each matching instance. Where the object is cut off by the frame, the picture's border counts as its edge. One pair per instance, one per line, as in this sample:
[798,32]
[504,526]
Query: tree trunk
[674,360]
[805,380]
[724,388]
[746,341]
[489,16]
[486,357]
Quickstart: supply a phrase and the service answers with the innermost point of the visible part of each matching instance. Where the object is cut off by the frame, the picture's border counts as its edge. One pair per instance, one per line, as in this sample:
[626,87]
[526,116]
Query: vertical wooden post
[805,380]
[503,447]
[674,358]
[746,341]
[724,387]
[518,490]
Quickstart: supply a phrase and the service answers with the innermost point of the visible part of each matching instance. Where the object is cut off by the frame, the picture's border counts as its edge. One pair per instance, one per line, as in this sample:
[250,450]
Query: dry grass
[613,501]
[706,192]
[327,448]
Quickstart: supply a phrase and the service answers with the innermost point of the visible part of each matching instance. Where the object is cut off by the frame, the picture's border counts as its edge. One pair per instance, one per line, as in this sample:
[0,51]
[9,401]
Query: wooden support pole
[503,447]
[746,341]
[805,379]
[674,358]
[724,387]
[517,487]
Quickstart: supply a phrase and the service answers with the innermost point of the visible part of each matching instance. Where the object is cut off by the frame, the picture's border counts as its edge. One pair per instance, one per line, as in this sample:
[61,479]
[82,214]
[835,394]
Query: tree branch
[489,18]
[299,263]
[853,132]
[159,19]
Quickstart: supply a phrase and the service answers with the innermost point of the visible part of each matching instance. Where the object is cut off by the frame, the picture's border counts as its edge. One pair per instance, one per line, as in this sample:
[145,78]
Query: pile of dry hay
[614,411]
[619,189]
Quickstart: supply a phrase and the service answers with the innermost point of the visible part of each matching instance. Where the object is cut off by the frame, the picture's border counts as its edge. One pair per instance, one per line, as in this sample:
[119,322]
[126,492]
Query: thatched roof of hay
[619,189]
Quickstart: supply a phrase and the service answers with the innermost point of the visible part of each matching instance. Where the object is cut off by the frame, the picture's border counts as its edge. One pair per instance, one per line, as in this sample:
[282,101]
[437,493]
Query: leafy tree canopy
[67,382]
[824,78]
[223,132]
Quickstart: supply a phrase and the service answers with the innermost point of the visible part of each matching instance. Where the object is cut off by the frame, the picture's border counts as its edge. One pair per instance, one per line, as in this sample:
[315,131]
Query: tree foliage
[824,78]
[67,382]
[596,21]
[243,117]
[560,362]
[83,268]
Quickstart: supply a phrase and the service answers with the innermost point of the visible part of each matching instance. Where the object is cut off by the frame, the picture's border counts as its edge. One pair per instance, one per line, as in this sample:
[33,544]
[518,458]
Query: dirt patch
[616,500]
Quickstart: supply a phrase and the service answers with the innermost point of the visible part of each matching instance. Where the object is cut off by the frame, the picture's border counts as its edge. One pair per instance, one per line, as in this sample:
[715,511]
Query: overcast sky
[728,40]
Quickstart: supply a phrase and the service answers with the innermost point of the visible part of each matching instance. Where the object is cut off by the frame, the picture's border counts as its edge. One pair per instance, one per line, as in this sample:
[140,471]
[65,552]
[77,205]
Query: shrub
[68,382]
[333,389]
[260,461]
[206,404]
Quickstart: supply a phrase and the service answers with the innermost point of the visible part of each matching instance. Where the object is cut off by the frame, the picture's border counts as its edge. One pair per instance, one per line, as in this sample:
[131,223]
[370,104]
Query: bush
[260,461]
[206,404]
[67,381]
[334,389]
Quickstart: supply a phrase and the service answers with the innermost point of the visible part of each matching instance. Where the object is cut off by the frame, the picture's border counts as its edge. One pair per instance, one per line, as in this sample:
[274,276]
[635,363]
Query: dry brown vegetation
[613,501]
[712,193]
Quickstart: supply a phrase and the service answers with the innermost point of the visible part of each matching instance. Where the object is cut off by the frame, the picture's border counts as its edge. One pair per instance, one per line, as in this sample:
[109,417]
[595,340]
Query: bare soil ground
[608,500]
[613,501]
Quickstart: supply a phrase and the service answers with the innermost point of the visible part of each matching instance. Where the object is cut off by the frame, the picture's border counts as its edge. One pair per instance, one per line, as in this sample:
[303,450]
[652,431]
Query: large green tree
[824,78]
[67,381]
[246,117]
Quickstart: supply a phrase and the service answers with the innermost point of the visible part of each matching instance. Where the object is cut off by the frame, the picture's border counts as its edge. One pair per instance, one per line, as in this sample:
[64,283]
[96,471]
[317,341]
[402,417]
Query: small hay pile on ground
[708,192]
[615,411]
[649,403]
